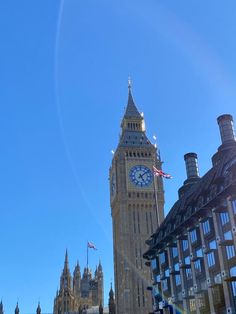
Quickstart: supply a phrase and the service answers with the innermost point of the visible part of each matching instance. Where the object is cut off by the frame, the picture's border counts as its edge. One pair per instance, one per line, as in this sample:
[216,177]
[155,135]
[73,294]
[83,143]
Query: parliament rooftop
[192,254]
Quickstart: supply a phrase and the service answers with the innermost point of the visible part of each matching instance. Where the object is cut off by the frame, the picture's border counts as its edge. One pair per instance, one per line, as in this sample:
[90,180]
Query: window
[158,278]
[199,253]
[187,260]
[177,280]
[233,204]
[211,259]
[154,263]
[206,227]
[189,273]
[197,266]
[193,236]
[167,273]
[174,252]
[224,218]
[164,284]
[185,245]
[176,267]
[212,245]
[228,235]
[230,251]
[233,274]
[162,258]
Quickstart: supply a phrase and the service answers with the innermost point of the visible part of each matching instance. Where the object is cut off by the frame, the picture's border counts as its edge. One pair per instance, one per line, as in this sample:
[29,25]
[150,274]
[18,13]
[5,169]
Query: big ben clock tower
[137,201]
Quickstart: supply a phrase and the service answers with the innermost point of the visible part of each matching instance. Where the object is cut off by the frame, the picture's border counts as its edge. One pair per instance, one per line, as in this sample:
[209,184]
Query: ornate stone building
[193,253]
[81,291]
[135,196]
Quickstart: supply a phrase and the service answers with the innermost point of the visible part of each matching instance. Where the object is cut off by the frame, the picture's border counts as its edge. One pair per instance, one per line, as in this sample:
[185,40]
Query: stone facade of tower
[79,292]
[137,201]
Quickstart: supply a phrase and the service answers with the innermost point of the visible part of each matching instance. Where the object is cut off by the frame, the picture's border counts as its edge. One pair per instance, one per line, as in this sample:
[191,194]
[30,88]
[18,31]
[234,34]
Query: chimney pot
[226,126]
[191,164]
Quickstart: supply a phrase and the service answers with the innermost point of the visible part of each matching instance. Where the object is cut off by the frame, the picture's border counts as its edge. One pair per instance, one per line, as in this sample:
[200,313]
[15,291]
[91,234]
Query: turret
[1,308]
[77,280]
[17,310]
[65,282]
[38,310]
[100,309]
[111,302]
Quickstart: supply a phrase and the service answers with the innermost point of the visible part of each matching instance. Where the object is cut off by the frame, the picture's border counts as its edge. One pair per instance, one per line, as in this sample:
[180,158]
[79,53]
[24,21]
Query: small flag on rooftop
[91,246]
[160,173]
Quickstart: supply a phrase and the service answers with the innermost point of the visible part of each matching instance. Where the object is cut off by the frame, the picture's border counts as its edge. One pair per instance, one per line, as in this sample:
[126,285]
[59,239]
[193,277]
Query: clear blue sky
[63,87]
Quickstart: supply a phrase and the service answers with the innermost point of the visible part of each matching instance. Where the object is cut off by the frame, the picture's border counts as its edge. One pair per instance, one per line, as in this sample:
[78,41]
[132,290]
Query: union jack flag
[91,246]
[160,173]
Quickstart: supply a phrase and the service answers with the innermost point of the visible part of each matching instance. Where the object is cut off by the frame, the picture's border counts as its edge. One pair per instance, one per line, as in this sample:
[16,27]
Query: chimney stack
[226,126]
[191,164]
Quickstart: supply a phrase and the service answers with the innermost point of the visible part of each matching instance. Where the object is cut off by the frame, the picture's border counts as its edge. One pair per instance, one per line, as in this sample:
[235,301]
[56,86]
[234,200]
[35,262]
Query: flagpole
[87,255]
[155,178]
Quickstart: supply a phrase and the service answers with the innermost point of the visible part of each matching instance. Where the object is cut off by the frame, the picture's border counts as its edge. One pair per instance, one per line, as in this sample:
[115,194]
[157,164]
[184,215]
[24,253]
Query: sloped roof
[131,109]
[199,196]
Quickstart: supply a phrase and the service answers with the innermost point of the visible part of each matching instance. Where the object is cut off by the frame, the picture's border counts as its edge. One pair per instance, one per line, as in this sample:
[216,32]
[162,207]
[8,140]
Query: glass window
[154,263]
[197,266]
[176,267]
[206,227]
[230,251]
[187,260]
[224,218]
[185,244]
[193,236]
[162,258]
[189,273]
[174,252]
[158,278]
[199,252]
[233,271]
[212,245]
[211,259]
[177,280]
[165,284]
[228,235]
[233,284]
[167,272]
[233,203]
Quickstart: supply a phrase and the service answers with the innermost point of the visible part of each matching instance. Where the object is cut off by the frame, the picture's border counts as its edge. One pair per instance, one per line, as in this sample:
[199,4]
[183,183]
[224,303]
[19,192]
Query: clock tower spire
[137,201]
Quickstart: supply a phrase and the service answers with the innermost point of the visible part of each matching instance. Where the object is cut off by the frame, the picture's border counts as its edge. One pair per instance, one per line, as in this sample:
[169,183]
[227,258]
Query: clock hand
[140,176]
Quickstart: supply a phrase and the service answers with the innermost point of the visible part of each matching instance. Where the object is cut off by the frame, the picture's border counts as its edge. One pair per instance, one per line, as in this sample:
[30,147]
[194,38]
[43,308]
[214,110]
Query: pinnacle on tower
[111,293]
[17,310]
[66,260]
[100,266]
[1,308]
[38,310]
[131,109]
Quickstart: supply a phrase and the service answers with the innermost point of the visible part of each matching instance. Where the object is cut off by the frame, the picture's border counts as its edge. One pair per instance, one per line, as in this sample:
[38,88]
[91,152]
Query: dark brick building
[193,253]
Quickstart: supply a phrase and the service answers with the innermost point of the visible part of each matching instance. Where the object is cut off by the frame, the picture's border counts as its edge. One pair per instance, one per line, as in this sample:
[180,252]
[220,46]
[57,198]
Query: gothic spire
[1,308]
[38,310]
[66,261]
[17,310]
[131,109]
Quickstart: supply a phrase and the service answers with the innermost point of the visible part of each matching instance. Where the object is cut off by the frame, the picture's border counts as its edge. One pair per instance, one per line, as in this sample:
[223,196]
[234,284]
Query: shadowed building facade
[193,253]
[137,201]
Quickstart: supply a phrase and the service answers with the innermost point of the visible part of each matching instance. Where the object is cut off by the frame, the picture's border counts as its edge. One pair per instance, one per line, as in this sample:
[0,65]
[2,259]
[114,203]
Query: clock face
[141,176]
